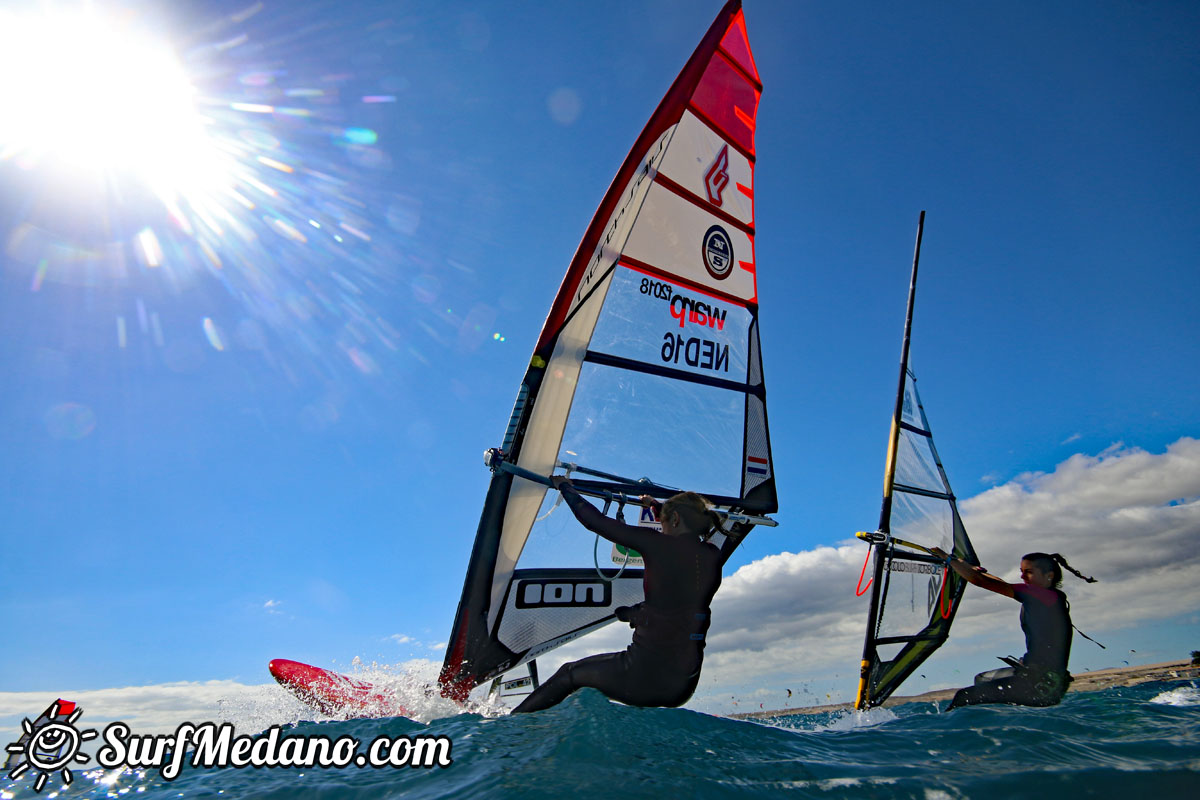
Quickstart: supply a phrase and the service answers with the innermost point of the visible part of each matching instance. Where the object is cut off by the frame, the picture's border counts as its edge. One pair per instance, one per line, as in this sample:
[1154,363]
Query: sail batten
[899,487]
[667,372]
[700,202]
[653,329]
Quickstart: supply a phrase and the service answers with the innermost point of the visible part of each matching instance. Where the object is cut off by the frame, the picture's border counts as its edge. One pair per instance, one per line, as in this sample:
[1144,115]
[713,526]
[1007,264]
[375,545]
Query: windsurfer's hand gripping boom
[971,573]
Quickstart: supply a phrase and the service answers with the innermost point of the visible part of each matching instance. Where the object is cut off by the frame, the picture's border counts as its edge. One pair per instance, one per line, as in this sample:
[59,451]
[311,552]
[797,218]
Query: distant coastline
[1084,682]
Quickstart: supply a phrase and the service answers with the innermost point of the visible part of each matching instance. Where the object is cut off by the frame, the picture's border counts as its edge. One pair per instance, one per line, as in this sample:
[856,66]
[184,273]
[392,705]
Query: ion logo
[717,177]
[566,593]
[718,252]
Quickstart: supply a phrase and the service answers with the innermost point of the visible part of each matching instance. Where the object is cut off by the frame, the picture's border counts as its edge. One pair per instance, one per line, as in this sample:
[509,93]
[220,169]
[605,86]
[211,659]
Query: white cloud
[1128,517]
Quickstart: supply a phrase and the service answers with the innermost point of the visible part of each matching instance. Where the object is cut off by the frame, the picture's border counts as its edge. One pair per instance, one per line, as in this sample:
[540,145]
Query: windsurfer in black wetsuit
[1040,677]
[682,573]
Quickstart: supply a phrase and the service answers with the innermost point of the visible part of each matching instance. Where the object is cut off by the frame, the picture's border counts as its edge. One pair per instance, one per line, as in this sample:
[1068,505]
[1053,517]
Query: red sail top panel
[729,101]
[667,114]
[736,45]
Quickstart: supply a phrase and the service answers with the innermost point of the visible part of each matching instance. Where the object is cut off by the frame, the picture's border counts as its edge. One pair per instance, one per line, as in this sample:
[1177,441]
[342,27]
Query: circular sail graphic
[718,252]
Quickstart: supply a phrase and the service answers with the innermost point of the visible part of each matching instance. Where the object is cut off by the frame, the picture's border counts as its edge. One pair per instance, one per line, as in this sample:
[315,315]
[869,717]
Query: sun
[103,97]
[162,148]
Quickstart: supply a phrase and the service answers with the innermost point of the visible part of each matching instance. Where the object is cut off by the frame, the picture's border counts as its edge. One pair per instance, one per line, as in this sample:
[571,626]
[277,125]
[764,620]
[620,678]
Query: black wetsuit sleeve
[590,517]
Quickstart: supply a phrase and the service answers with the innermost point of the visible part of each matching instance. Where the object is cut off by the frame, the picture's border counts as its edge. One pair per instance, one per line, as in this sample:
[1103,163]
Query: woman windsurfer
[661,667]
[1040,677]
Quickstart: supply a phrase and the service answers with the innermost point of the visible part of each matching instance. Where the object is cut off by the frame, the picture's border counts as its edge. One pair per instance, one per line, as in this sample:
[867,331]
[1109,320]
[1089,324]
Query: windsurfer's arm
[594,520]
[975,575]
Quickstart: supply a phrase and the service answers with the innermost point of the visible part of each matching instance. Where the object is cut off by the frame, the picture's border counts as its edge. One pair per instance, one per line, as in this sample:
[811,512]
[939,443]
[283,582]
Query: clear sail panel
[915,464]
[914,587]
[629,424]
[913,597]
[925,520]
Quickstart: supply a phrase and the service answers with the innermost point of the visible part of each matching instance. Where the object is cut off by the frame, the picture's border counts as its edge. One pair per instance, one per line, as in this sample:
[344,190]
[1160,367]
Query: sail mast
[889,475]
[885,512]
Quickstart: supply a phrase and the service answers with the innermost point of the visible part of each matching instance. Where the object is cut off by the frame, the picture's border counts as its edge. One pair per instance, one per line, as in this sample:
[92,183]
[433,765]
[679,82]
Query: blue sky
[300,475]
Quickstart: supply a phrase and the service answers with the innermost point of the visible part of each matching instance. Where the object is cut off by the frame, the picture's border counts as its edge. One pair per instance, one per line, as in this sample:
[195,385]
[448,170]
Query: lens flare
[240,168]
[70,421]
[98,95]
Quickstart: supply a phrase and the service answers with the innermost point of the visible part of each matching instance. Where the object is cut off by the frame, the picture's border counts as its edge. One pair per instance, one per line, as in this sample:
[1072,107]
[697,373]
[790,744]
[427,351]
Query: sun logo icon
[49,744]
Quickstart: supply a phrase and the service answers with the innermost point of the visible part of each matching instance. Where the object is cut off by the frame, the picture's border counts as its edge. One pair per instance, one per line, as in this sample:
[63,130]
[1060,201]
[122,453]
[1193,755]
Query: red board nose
[283,670]
[332,693]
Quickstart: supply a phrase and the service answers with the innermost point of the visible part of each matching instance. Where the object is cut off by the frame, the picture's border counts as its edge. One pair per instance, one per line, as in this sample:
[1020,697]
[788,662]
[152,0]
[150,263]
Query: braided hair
[1054,563]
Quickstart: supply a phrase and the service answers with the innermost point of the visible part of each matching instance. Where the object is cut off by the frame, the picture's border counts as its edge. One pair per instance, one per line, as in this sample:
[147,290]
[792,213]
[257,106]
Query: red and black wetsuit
[1042,678]
[662,665]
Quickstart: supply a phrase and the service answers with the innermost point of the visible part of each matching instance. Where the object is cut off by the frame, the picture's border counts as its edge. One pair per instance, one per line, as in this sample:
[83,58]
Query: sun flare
[104,97]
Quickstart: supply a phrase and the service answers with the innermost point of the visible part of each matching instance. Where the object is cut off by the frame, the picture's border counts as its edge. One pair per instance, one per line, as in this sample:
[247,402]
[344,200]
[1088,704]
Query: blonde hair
[695,513]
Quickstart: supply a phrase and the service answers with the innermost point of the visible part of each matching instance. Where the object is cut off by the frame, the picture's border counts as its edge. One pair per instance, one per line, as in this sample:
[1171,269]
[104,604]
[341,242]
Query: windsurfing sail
[914,596]
[646,378]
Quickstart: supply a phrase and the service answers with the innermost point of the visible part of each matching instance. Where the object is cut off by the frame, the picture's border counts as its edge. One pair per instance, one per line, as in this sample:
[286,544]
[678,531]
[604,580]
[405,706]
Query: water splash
[1182,696]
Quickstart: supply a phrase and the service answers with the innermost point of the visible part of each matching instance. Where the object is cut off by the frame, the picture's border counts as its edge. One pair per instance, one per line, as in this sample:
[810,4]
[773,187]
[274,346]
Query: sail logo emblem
[717,177]
[718,252]
[557,592]
[935,590]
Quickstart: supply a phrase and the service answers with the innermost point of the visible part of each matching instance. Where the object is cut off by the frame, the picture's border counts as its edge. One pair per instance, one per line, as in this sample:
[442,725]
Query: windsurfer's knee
[565,676]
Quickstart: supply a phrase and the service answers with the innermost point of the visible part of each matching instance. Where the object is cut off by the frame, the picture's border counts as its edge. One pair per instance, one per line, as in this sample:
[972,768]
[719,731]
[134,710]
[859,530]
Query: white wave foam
[1183,696]
[830,721]
[855,720]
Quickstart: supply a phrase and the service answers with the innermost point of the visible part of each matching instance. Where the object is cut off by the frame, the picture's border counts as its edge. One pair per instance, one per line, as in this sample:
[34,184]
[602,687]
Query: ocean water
[1130,742]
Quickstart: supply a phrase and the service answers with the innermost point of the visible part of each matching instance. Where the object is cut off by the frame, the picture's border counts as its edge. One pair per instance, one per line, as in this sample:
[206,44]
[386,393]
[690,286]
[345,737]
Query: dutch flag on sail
[756,465]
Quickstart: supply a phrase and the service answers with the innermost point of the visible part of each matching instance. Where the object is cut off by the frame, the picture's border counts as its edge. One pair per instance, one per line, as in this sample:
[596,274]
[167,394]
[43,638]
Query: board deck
[334,694]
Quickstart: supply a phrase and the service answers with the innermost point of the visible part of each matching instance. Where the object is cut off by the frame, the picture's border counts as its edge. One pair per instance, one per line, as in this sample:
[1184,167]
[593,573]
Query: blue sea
[1129,742]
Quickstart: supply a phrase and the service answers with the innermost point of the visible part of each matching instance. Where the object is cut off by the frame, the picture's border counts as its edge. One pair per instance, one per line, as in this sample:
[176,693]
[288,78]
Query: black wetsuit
[1041,678]
[662,665]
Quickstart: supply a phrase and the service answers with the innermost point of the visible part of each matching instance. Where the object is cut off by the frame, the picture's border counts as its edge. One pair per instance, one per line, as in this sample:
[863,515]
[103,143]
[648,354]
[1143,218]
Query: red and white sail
[648,366]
